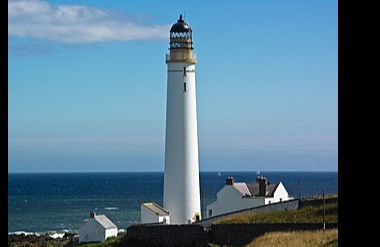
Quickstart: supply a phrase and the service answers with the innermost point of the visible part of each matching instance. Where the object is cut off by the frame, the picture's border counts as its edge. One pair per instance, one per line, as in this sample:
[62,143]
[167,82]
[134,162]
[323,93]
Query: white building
[236,196]
[97,229]
[153,213]
[181,179]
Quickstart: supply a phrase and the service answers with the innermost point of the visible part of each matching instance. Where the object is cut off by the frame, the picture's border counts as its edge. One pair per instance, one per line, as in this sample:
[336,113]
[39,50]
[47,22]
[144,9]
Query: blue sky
[87,84]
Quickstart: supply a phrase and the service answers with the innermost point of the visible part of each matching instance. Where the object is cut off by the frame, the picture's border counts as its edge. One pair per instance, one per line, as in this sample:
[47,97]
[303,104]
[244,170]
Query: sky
[87,84]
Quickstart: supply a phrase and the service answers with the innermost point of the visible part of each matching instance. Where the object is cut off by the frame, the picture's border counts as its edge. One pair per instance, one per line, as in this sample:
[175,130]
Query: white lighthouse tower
[181,179]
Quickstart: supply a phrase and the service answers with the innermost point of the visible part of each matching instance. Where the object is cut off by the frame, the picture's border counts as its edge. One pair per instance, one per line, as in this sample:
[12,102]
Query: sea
[55,203]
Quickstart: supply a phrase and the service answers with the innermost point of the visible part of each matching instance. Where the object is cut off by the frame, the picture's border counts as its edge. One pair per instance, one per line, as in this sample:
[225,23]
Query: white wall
[148,216]
[279,195]
[164,218]
[214,209]
[110,232]
[91,231]
[229,199]
[181,179]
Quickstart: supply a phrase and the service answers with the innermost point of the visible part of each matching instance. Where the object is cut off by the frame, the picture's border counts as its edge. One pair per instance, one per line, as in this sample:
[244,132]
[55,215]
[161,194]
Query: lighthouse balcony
[179,56]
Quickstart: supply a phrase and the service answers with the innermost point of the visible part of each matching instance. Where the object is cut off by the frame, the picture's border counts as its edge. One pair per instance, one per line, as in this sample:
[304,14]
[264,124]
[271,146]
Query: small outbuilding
[153,213]
[97,229]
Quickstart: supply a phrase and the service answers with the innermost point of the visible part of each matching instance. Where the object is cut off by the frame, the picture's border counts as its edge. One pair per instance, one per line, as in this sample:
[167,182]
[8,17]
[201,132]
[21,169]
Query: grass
[309,214]
[108,243]
[302,238]
[50,243]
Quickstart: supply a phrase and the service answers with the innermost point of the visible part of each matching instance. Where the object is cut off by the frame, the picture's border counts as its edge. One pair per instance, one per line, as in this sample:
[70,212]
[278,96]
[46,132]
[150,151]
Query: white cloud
[76,24]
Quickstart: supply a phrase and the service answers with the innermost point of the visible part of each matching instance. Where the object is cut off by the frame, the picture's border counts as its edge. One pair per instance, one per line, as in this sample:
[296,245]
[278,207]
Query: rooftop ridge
[154,207]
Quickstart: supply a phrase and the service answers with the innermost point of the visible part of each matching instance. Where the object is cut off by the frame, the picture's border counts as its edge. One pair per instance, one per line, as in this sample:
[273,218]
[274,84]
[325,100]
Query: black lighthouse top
[181,35]
[181,26]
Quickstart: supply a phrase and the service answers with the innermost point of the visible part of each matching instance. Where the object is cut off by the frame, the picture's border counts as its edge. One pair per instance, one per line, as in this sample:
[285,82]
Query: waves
[52,234]
[57,235]
[23,232]
[111,208]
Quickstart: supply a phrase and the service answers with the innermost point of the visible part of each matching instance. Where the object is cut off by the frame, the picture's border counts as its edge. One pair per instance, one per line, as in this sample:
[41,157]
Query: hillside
[308,214]
[301,238]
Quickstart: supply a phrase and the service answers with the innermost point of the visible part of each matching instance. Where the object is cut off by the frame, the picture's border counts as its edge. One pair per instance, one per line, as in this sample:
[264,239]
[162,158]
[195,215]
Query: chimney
[230,181]
[92,214]
[262,185]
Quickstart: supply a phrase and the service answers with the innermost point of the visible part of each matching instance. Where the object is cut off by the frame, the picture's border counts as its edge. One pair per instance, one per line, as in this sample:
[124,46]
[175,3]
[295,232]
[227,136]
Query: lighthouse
[181,177]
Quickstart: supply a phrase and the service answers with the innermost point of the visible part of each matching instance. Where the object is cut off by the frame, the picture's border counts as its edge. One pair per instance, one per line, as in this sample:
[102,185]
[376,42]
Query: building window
[210,212]
[197,217]
[269,202]
[280,199]
[184,86]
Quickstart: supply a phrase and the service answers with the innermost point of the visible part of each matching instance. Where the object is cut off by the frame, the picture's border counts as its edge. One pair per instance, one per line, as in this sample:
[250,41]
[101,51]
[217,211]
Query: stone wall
[168,235]
[279,206]
[242,234]
[221,234]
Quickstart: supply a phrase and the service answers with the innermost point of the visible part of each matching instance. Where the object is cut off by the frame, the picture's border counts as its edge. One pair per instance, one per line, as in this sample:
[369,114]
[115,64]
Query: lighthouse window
[184,86]
[184,71]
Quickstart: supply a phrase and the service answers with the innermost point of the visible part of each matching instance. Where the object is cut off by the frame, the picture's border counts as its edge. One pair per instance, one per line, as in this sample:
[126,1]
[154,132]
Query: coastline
[234,230]
[21,239]
[52,234]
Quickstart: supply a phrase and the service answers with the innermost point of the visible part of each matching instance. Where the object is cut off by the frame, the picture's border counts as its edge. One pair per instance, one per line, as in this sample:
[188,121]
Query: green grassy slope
[309,214]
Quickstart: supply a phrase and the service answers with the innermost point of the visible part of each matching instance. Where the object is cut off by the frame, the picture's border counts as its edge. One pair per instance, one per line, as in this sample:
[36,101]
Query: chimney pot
[262,185]
[92,214]
[230,181]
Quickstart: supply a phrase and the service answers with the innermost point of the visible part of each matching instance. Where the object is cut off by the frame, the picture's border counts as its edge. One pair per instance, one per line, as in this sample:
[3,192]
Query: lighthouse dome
[181,35]
[181,26]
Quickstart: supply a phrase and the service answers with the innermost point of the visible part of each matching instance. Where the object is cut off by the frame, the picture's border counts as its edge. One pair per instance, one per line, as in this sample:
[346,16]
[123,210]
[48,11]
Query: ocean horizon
[216,171]
[58,202]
